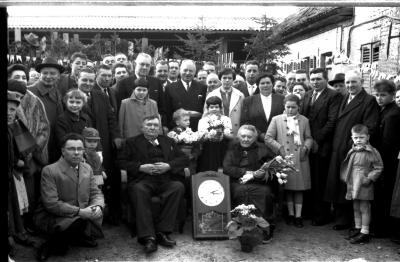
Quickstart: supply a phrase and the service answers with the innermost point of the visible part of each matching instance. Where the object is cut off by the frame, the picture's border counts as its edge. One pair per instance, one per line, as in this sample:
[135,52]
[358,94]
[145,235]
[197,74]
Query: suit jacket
[235,106]
[112,97]
[63,193]
[253,111]
[177,97]
[322,116]
[105,121]
[135,154]
[245,91]
[125,88]
[362,109]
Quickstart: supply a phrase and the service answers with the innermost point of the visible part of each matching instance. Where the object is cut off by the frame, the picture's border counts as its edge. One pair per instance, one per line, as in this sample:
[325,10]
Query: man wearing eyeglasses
[71,207]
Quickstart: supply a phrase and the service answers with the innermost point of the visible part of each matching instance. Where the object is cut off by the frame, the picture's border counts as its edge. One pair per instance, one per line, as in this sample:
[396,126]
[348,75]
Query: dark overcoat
[362,109]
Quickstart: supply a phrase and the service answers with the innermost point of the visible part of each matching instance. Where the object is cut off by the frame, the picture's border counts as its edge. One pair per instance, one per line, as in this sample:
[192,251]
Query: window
[370,52]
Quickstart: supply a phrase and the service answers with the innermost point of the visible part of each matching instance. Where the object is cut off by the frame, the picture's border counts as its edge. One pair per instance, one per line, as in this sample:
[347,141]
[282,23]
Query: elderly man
[173,71]
[232,99]
[150,160]
[209,67]
[142,69]
[187,94]
[105,120]
[321,107]
[46,90]
[338,84]
[357,107]
[212,82]
[119,71]
[251,74]
[71,208]
[68,81]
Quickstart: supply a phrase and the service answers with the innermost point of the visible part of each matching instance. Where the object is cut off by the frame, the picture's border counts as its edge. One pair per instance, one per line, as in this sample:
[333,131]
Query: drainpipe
[363,23]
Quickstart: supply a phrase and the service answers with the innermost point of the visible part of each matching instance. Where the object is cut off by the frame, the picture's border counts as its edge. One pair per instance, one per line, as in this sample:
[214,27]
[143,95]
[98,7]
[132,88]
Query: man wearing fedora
[47,91]
[338,84]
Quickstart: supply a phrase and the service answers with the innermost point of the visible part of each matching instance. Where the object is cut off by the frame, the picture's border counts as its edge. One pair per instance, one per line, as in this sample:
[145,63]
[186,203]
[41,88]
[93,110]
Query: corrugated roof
[133,23]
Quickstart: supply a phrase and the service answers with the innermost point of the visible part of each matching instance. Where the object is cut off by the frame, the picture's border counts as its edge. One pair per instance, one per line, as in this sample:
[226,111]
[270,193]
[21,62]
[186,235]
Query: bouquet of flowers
[280,167]
[247,227]
[217,128]
[186,136]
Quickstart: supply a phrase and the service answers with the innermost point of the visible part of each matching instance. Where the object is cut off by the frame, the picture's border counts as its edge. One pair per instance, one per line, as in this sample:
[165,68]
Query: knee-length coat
[63,193]
[277,137]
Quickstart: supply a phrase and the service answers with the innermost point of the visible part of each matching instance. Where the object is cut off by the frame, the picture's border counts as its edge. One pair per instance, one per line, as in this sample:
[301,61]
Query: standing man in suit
[321,107]
[162,73]
[173,71]
[259,109]
[187,94]
[103,83]
[150,160]
[105,121]
[231,98]
[119,71]
[142,69]
[357,107]
[251,72]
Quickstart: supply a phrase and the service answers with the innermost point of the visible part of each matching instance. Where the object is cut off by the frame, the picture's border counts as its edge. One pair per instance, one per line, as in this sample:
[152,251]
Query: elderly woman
[73,120]
[242,163]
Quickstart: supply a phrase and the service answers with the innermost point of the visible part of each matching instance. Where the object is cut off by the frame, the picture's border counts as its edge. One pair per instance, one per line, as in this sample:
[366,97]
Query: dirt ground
[289,244]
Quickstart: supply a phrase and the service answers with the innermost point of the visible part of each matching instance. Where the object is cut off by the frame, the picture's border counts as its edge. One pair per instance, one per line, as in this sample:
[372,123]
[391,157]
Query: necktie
[105,91]
[313,98]
[350,98]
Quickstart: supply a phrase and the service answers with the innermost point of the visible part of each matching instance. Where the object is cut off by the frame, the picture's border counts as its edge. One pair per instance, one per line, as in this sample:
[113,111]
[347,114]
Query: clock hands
[216,192]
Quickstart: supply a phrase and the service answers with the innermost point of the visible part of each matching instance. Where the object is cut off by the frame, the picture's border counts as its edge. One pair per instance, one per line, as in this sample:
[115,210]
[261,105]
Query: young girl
[72,120]
[92,156]
[217,130]
[135,108]
[361,167]
[289,133]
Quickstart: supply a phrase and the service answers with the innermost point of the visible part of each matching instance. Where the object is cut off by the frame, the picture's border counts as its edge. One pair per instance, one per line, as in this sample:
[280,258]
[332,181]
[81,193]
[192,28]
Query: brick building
[341,38]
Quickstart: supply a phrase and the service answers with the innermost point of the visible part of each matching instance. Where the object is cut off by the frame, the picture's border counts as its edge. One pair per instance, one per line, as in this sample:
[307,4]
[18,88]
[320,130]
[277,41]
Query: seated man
[71,206]
[150,159]
[248,183]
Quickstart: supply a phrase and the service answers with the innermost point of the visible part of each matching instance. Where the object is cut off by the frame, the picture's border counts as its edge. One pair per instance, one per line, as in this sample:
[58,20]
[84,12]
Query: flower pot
[250,238]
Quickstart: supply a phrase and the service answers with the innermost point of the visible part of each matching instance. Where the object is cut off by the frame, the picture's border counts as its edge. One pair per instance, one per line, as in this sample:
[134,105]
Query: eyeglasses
[79,149]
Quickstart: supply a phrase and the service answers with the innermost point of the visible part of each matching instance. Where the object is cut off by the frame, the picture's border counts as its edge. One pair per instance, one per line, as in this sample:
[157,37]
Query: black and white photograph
[210,131]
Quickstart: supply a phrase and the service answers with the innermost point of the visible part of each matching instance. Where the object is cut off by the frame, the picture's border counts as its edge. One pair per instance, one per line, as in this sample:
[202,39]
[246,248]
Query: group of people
[71,134]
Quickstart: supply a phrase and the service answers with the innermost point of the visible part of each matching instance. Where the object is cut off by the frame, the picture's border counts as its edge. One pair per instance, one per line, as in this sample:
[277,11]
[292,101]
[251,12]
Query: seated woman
[249,185]
[216,130]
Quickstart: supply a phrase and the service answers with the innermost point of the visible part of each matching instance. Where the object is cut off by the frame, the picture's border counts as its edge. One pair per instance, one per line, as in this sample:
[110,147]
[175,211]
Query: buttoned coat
[253,111]
[277,137]
[362,109]
[63,193]
[235,106]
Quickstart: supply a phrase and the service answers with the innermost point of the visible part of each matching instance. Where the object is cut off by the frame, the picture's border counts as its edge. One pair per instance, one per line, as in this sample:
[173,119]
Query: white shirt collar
[186,84]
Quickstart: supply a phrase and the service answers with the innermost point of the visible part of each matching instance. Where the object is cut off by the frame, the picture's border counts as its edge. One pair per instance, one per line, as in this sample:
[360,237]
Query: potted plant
[247,227]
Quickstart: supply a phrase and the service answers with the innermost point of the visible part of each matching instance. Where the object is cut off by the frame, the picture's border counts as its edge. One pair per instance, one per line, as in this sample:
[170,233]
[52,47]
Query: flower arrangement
[217,128]
[184,136]
[280,167]
[247,227]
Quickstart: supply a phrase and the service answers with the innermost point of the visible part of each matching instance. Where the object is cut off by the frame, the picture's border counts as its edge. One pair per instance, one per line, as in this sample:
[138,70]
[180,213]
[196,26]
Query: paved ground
[289,244]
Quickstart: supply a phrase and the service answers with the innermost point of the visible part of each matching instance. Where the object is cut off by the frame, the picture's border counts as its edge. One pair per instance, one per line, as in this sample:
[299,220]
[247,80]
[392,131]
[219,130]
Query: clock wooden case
[211,205]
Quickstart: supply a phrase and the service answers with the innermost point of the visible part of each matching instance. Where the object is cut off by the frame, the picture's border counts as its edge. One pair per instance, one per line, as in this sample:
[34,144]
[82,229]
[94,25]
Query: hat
[16,86]
[32,39]
[90,132]
[16,67]
[12,97]
[339,78]
[50,62]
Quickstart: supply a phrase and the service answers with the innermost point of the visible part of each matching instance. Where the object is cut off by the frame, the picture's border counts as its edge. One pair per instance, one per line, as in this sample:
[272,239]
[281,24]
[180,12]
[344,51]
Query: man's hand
[161,167]
[246,177]
[118,142]
[315,147]
[147,168]
[96,212]
[85,213]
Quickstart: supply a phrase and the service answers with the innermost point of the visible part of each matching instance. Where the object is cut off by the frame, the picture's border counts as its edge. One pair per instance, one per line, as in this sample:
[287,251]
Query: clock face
[211,193]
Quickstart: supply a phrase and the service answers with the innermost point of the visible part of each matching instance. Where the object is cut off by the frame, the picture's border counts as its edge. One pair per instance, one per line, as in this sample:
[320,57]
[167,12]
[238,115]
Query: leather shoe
[340,227]
[44,252]
[353,232]
[150,245]
[298,222]
[165,240]
[360,239]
